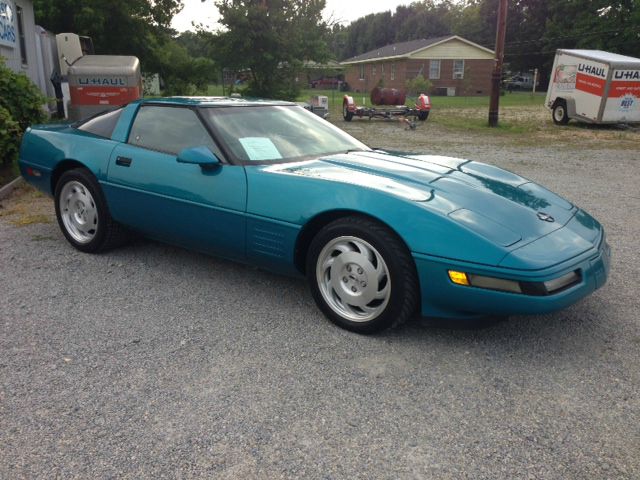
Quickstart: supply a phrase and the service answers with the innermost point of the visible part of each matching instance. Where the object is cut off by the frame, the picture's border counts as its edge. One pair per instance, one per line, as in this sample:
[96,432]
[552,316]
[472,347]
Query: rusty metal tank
[388,96]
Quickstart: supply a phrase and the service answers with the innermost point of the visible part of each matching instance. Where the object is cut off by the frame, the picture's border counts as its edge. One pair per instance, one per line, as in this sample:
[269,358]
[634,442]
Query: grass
[514,99]
[26,219]
[26,206]
[456,122]
[510,99]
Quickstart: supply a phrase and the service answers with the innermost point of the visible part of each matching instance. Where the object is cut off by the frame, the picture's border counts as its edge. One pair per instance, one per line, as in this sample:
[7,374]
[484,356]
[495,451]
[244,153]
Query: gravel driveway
[155,362]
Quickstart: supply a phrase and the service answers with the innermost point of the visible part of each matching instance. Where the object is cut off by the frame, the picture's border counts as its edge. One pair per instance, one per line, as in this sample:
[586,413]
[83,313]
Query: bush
[21,104]
[418,85]
[9,132]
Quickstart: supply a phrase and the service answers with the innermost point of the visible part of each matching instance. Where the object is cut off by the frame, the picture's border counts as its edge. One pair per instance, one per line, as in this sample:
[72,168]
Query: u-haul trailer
[595,87]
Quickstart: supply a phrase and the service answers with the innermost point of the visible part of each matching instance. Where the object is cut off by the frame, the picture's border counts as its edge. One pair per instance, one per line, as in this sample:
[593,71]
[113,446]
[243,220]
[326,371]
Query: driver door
[184,204]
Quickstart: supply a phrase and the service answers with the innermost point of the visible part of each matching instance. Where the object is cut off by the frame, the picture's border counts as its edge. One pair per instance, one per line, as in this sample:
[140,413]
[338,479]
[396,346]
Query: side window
[434,69]
[170,130]
[102,124]
[458,69]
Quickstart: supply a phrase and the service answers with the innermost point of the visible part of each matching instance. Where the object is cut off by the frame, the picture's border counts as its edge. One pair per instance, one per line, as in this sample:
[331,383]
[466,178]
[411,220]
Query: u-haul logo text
[592,70]
[626,75]
[113,82]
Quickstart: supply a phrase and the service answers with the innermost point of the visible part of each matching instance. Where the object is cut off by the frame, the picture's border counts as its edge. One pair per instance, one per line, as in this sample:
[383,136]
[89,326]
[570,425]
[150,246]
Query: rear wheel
[346,114]
[422,116]
[559,114]
[82,213]
[361,275]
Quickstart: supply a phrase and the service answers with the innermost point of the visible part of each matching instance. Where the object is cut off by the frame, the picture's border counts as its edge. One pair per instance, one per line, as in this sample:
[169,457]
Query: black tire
[401,280]
[94,232]
[422,116]
[559,113]
[346,114]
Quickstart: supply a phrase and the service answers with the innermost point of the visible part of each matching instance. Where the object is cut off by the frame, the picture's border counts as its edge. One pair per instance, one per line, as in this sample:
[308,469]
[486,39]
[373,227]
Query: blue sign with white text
[8,35]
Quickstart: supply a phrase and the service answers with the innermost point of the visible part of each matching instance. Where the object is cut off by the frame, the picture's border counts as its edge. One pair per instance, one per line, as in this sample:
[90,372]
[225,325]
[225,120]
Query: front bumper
[442,298]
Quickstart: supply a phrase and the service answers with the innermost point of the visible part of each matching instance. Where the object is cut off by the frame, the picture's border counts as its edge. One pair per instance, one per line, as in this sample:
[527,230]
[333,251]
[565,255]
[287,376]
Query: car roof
[214,101]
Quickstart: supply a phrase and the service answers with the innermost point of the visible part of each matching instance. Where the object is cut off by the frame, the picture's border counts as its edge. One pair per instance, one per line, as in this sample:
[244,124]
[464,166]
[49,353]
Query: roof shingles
[401,49]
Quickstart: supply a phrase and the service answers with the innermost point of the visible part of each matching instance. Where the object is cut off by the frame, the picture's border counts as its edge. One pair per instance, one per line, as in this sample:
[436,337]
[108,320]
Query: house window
[23,44]
[362,71]
[458,69]
[373,70]
[392,75]
[382,70]
[434,69]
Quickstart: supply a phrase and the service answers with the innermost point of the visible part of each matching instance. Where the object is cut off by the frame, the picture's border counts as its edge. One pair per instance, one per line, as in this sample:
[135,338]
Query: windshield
[277,133]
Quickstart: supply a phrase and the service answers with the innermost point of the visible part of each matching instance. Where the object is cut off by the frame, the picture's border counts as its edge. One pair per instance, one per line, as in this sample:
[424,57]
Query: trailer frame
[419,112]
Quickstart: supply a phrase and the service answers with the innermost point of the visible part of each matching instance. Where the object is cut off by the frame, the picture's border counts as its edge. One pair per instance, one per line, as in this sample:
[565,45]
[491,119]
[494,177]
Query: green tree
[183,74]
[117,27]
[538,28]
[133,27]
[596,24]
[428,19]
[198,44]
[271,39]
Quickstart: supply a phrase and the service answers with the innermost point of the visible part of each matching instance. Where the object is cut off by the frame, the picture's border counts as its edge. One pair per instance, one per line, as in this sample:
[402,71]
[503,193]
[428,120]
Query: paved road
[154,362]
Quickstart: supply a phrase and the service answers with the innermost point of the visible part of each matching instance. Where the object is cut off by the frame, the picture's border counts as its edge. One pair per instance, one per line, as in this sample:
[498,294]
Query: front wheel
[346,114]
[559,114]
[83,215]
[361,275]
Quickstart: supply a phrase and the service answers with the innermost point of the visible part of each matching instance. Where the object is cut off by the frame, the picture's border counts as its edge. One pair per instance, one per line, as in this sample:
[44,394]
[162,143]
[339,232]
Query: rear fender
[50,151]
[423,103]
[570,104]
[349,102]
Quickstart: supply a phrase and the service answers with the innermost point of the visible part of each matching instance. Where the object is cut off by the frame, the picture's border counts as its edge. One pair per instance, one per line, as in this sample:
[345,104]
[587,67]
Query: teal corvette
[379,236]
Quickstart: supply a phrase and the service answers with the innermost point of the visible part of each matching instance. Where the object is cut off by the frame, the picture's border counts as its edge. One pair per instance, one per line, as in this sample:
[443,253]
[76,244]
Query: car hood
[499,205]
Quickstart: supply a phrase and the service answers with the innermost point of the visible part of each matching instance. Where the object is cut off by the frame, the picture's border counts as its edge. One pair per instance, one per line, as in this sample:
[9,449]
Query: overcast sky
[342,11]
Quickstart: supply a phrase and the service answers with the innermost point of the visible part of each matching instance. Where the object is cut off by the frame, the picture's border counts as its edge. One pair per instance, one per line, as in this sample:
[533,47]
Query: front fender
[423,225]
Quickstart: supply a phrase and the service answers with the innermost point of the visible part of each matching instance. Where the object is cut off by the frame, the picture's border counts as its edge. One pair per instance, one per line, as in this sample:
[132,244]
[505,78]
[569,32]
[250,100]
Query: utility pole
[496,76]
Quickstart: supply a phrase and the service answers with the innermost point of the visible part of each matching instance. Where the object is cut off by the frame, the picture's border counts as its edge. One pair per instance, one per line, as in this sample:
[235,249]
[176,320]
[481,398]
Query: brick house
[454,66]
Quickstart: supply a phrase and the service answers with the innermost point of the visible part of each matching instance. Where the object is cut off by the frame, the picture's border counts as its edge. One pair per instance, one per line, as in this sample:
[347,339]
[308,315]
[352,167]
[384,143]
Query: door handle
[123,161]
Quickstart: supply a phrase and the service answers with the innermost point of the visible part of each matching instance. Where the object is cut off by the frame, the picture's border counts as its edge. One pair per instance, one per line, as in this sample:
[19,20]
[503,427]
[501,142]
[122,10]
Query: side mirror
[198,156]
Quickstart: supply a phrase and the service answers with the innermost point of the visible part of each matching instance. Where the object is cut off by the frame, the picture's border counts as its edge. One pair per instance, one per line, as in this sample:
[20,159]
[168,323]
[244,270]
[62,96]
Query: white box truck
[594,86]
